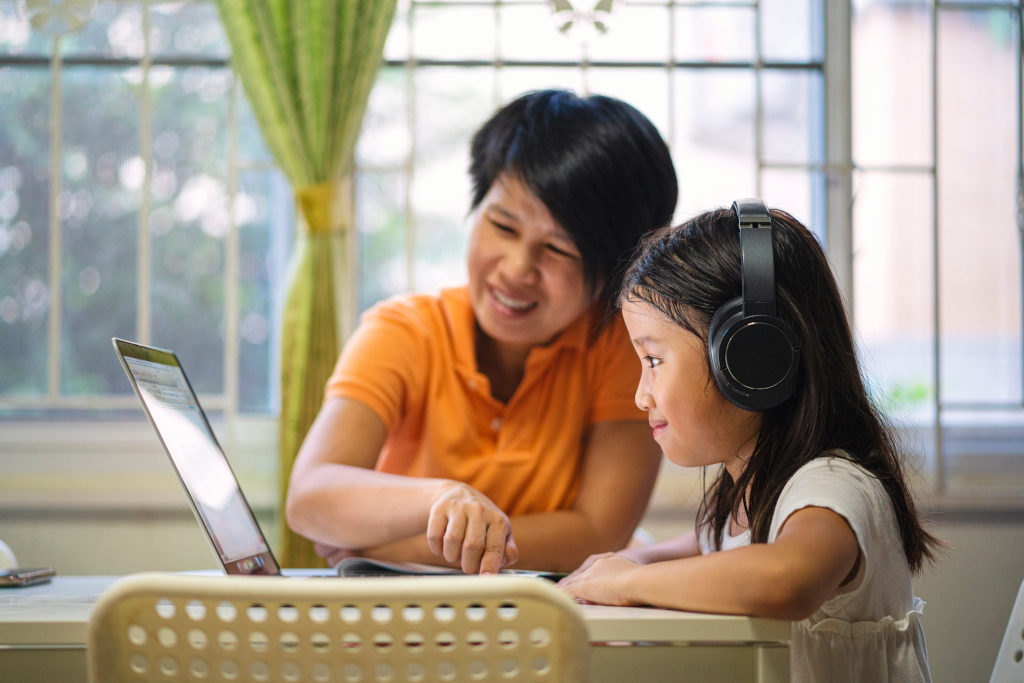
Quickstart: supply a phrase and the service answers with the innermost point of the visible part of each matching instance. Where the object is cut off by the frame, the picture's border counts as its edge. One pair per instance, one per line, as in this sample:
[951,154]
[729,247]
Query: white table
[43,633]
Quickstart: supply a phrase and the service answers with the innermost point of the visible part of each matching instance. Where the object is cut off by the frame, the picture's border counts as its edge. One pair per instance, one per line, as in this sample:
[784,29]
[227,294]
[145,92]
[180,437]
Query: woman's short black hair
[597,164]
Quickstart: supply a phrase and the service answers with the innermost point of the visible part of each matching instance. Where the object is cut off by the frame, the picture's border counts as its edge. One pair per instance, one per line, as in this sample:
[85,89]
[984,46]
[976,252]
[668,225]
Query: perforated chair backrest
[162,628]
[1010,660]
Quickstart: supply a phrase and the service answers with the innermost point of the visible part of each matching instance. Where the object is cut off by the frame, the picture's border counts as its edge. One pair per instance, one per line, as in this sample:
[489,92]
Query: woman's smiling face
[693,423]
[526,276]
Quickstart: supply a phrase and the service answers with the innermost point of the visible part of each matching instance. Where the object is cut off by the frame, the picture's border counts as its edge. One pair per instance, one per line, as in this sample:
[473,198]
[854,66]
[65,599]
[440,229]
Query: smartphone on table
[28,576]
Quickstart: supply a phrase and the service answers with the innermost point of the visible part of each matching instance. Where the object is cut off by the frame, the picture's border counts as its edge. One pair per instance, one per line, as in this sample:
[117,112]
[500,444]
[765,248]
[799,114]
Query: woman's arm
[815,552]
[620,465]
[336,498]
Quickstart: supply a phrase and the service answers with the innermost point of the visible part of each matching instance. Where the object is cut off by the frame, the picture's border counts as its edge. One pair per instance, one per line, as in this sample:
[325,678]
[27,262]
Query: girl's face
[693,423]
[525,274]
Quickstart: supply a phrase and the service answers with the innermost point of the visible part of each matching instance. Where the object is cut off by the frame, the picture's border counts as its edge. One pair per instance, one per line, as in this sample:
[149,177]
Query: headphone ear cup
[721,322]
[754,359]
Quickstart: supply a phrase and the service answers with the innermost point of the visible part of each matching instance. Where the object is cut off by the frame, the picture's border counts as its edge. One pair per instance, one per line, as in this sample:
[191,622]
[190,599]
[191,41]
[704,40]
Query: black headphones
[754,353]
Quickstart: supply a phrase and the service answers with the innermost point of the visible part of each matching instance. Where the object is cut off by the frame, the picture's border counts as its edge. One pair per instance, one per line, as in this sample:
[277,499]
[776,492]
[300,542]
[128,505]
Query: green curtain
[308,67]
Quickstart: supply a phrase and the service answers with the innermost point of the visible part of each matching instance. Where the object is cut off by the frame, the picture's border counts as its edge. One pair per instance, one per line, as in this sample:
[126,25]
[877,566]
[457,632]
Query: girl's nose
[643,398]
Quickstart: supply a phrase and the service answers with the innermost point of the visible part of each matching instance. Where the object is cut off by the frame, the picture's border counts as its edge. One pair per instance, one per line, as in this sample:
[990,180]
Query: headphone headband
[757,262]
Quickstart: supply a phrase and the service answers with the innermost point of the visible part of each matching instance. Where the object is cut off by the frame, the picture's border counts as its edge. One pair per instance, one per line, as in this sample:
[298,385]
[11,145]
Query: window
[137,198]
[166,222]
[736,89]
[937,145]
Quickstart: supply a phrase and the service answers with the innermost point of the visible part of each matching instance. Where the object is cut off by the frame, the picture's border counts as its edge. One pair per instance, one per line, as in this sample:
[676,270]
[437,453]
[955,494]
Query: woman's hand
[466,527]
[603,582]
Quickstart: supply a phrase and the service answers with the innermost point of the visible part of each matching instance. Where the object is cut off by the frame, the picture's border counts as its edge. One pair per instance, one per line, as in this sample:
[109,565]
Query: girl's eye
[653,361]
[504,228]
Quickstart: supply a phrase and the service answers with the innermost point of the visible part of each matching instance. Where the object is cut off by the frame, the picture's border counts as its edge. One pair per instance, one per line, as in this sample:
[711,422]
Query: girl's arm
[620,465]
[336,498]
[673,549]
[677,548]
[814,553]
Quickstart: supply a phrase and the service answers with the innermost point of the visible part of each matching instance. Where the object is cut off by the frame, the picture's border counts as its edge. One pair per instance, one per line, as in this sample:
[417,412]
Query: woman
[494,423]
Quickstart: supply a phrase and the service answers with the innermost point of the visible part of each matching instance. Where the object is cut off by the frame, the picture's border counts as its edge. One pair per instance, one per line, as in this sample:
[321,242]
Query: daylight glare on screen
[198,459]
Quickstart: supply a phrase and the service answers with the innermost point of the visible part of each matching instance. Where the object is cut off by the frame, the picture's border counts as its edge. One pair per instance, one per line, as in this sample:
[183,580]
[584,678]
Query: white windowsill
[120,466]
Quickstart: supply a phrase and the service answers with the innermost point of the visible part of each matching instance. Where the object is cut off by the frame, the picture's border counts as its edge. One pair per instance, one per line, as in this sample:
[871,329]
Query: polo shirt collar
[462,327]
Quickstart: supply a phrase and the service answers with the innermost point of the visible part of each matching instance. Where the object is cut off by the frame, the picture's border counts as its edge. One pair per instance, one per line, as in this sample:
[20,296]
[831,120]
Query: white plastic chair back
[1010,660]
[159,627]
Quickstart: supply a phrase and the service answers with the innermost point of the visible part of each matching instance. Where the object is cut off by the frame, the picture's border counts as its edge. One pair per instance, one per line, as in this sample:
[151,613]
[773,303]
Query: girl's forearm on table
[755,580]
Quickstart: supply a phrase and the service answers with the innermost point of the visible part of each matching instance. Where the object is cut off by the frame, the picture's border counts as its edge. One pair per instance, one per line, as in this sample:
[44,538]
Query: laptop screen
[203,469]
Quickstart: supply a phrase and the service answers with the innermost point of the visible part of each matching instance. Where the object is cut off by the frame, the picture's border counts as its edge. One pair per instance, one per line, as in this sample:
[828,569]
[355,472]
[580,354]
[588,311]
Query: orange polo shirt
[413,362]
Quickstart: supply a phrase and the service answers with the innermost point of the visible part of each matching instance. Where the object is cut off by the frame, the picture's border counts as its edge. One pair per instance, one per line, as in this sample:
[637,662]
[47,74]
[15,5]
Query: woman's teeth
[514,304]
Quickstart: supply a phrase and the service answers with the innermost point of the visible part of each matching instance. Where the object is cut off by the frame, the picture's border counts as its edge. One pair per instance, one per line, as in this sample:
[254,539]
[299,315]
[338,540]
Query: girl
[495,421]
[810,518]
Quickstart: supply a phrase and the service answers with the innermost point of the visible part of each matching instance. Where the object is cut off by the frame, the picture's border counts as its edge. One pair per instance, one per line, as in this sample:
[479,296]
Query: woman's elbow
[297,508]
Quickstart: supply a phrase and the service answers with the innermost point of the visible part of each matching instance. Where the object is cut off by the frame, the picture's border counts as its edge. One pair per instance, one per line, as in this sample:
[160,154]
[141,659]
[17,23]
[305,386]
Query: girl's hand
[587,564]
[603,582]
[629,554]
[466,527]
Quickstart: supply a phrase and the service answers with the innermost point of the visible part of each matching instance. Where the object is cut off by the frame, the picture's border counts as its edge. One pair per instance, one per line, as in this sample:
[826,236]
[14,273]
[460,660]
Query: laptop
[211,487]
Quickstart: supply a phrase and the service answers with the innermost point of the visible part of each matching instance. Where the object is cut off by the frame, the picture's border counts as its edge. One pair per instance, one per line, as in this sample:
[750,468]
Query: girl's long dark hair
[687,273]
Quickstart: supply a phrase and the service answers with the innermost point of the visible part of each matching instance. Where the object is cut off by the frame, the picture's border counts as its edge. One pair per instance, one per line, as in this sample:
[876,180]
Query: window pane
[397,44]
[799,193]
[892,278]
[979,247]
[101,191]
[16,34]
[263,210]
[791,30]
[892,93]
[24,228]
[793,116]
[645,89]
[516,81]
[453,32]
[714,138]
[114,31]
[380,217]
[190,220]
[530,33]
[186,29]
[385,140]
[714,34]
[635,34]
[251,147]
[451,103]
